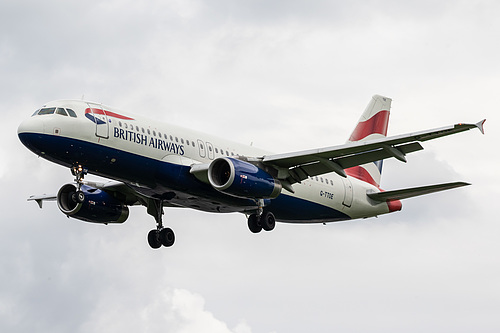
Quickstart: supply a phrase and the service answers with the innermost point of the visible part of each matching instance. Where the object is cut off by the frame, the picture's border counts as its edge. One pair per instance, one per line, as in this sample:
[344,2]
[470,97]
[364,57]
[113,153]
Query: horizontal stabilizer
[413,192]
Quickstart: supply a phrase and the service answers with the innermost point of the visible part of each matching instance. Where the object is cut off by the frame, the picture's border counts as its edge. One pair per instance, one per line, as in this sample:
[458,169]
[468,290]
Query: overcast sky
[285,75]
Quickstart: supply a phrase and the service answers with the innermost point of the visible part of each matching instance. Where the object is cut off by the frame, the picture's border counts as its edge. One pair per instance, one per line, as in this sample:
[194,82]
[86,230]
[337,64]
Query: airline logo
[91,113]
[375,125]
[149,141]
[372,128]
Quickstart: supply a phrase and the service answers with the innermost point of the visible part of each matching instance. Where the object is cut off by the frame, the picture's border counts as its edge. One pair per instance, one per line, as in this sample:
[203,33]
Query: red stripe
[361,174]
[108,113]
[376,124]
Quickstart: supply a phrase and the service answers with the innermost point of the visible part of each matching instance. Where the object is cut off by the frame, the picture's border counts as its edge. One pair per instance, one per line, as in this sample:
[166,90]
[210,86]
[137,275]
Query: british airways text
[148,141]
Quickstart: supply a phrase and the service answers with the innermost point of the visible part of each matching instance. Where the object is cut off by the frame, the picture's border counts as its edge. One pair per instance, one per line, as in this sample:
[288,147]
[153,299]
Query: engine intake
[97,207]
[242,179]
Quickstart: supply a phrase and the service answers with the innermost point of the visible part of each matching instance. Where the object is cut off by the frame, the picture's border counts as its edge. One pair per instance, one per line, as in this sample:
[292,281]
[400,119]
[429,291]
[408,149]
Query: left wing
[298,166]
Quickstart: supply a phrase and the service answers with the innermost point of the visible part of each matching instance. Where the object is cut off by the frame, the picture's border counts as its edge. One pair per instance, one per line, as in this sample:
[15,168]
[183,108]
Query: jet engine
[242,179]
[94,205]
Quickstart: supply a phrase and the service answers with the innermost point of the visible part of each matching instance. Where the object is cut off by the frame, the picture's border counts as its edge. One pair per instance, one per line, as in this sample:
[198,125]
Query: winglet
[480,125]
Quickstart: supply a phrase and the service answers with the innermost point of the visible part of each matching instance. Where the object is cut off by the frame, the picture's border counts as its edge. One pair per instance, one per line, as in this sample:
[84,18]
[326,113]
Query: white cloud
[168,309]
[286,76]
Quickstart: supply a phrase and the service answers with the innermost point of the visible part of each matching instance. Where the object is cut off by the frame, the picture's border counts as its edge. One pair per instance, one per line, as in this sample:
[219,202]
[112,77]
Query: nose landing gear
[79,172]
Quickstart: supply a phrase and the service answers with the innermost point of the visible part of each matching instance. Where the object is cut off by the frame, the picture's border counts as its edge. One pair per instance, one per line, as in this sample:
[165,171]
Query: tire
[254,224]
[268,221]
[153,239]
[80,197]
[167,237]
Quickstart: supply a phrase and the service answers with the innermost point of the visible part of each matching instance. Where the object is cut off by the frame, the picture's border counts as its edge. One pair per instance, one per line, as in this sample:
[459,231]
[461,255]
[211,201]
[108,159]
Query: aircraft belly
[174,183]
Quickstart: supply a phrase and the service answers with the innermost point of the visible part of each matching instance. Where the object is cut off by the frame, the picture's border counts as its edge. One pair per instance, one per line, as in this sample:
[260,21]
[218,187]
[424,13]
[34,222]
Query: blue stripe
[162,178]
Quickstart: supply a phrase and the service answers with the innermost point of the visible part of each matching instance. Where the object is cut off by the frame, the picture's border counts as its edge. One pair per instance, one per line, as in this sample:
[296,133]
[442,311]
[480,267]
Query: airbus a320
[159,165]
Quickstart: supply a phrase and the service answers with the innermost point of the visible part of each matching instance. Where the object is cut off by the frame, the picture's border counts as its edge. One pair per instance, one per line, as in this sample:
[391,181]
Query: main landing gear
[159,236]
[261,220]
[265,221]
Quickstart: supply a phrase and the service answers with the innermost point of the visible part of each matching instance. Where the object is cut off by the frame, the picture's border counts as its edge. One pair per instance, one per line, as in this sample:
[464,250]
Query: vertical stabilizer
[372,125]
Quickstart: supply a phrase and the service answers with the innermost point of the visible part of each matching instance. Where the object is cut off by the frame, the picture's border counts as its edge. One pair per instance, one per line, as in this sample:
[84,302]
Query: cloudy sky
[285,75]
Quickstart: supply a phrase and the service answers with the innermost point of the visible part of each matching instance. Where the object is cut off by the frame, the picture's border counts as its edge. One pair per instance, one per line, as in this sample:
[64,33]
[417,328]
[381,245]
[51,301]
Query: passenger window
[182,140]
[154,133]
[71,113]
[126,126]
[142,128]
[216,150]
[176,139]
[46,111]
[149,131]
[171,138]
[137,128]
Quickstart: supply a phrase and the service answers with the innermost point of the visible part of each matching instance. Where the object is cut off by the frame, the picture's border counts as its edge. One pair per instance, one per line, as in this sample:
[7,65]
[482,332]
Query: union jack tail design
[372,125]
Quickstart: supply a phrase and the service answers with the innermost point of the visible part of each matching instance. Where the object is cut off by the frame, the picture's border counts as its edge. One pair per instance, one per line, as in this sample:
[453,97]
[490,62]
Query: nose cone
[29,132]
[31,125]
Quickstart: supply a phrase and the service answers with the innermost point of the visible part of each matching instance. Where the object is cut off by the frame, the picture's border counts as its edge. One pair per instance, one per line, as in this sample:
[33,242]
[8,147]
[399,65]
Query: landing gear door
[97,114]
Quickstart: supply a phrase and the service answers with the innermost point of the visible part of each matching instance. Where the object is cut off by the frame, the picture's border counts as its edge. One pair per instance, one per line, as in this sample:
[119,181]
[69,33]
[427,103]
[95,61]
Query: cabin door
[97,114]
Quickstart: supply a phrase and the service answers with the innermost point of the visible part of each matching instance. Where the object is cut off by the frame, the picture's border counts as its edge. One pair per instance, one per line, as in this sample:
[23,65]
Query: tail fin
[372,125]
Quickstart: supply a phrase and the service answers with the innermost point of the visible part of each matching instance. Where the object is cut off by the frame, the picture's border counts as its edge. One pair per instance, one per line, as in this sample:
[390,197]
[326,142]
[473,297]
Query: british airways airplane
[161,165]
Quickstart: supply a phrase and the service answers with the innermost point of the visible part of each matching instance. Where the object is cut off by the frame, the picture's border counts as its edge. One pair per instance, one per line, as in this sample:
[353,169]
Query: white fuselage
[143,153]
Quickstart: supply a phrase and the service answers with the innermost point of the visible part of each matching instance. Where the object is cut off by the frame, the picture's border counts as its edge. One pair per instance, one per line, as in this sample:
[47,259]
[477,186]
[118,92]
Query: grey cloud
[287,76]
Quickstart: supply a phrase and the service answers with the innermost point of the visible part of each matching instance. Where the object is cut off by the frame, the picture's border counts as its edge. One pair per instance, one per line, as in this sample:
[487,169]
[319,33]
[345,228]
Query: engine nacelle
[242,179]
[97,207]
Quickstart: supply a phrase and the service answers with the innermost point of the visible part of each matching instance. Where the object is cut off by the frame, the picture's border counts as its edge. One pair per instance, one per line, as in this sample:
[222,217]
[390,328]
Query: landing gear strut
[159,236]
[79,172]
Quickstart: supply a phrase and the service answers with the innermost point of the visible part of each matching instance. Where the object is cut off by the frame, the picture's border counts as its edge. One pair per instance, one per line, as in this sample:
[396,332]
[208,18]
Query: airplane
[159,165]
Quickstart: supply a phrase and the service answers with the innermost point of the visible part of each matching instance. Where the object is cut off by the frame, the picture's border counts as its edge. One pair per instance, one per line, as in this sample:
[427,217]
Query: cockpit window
[61,111]
[34,113]
[71,113]
[46,111]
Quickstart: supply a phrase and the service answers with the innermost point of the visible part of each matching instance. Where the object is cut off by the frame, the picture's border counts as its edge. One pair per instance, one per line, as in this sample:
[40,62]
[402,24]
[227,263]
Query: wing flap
[414,191]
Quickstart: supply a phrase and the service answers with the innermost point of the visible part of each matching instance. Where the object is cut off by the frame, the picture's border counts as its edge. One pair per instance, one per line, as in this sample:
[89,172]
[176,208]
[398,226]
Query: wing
[120,190]
[297,166]
[41,198]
